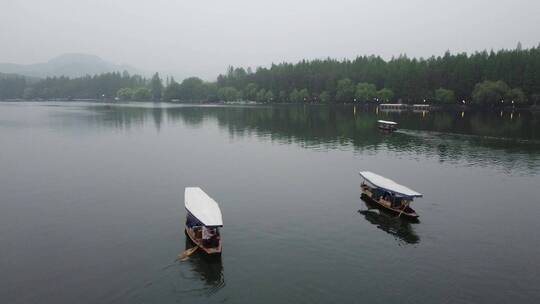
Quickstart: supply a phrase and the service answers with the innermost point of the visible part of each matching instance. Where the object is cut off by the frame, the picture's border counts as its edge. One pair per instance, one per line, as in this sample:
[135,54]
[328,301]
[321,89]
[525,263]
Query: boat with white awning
[387,125]
[388,194]
[203,220]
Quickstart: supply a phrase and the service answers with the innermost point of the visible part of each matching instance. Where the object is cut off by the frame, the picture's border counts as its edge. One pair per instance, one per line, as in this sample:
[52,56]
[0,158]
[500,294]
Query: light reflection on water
[477,139]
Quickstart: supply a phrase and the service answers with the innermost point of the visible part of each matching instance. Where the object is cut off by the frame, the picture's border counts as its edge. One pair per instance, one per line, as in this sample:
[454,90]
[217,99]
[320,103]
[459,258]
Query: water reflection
[511,142]
[398,227]
[140,156]
[209,268]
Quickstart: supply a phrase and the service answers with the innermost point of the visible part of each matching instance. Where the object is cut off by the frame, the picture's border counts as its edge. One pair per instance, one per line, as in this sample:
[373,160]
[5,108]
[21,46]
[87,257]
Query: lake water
[91,205]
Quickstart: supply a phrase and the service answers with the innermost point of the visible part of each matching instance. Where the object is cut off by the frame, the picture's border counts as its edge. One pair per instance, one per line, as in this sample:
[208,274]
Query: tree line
[482,78]
[479,78]
[87,87]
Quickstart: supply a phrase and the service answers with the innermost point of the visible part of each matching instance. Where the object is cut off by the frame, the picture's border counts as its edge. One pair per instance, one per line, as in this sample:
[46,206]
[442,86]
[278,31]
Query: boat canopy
[388,184]
[202,207]
[386,122]
[394,105]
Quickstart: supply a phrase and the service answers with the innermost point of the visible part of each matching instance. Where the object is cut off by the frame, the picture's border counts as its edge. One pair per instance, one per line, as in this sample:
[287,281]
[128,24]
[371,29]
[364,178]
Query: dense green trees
[264,96]
[409,80]
[269,96]
[125,94]
[517,96]
[299,96]
[172,90]
[194,89]
[481,78]
[94,87]
[261,95]
[228,94]
[365,92]
[156,87]
[135,94]
[344,90]
[490,92]
[385,95]
[251,91]
[283,97]
[494,92]
[444,96]
[141,94]
[325,97]
[29,93]
[11,86]
[191,89]
[294,96]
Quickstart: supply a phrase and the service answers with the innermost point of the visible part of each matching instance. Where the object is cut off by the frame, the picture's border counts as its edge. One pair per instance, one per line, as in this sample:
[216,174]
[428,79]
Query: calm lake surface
[92,211]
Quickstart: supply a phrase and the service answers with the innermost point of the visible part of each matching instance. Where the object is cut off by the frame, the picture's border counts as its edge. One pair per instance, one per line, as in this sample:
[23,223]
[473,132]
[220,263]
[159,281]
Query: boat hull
[411,215]
[387,128]
[198,243]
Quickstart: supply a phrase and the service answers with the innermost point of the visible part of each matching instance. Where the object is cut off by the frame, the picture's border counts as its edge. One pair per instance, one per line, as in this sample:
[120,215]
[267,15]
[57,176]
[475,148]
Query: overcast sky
[203,37]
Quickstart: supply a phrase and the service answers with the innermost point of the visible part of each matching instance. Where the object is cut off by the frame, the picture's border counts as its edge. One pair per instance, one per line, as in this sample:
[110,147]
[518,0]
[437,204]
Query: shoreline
[408,108]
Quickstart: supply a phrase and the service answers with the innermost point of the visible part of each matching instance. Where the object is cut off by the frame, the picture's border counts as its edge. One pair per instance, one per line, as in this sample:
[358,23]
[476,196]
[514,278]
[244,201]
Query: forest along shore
[502,78]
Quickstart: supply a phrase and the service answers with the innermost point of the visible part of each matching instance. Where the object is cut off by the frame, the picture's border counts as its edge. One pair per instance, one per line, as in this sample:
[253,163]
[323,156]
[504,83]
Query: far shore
[432,107]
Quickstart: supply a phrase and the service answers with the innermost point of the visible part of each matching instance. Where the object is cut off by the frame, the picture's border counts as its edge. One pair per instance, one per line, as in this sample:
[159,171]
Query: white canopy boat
[388,194]
[387,125]
[203,220]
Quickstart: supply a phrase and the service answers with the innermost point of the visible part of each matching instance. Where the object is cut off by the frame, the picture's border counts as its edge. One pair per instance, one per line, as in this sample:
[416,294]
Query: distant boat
[421,107]
[388,194]
[387,125]
[203,220]
[393,107]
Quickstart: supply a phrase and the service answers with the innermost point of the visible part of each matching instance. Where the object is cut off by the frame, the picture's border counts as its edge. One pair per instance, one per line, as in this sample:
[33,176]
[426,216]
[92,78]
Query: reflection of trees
[157,114]
[485,124]
[474,150]
[121,117]
[192,116]
[304,125]
[398,227]
[334,127]
[486,138]
[208,267]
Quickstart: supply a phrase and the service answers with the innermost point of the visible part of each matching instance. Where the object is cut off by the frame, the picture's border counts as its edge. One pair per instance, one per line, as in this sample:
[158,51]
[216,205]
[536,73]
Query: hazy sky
[203,37]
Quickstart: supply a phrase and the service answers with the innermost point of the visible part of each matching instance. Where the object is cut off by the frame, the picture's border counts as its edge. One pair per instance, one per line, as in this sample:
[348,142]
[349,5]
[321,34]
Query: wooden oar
[403,209]
[185,255]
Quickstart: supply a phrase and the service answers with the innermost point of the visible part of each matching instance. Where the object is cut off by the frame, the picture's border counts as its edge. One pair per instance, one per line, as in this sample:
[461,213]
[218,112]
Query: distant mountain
[71,65]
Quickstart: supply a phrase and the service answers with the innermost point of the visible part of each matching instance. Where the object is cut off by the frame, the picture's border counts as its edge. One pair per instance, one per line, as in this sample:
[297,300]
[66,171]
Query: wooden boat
[421,107]
[388,194]
[393,107]
[203,220]
[387,125]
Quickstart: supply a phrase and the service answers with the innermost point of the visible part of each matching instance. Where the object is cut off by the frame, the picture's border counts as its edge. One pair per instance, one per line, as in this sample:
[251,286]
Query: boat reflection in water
[400,228]
[209,268]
